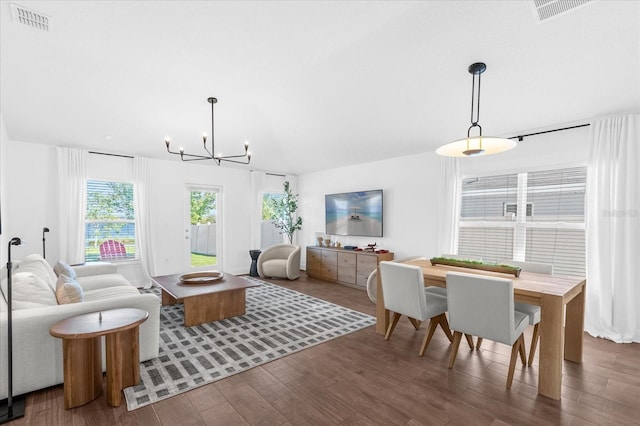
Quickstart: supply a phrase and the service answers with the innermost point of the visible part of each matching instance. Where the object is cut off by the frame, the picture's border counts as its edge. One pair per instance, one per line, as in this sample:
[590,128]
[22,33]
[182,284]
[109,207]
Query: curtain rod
[521,137]
[110,155]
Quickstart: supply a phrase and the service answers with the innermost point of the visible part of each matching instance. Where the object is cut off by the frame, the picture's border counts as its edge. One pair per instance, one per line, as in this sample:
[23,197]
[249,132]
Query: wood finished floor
[360,379]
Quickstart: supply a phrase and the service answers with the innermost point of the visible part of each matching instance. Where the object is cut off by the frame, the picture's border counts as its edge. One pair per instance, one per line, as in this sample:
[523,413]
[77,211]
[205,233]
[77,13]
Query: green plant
[284,213]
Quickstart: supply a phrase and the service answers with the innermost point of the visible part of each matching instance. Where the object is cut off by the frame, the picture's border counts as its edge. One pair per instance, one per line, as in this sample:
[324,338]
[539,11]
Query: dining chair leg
[515,349]
[433,324]
[534,343]
[392,326]
[522,352]
[457,337]
[469,340]
[415,322]
[444,323]
[478,343]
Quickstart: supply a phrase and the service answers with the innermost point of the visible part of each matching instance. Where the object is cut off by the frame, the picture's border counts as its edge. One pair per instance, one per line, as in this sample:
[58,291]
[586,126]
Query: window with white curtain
[550,228]
[110,221]
[269,234]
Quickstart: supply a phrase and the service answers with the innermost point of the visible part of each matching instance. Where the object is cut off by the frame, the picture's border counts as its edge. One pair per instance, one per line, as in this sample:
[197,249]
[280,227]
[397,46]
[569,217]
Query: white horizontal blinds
[551,230]
[487,211]
[563,248]
[555,231]
[557,195]
[490,198]
[489,244]
[269,234]
[109,217]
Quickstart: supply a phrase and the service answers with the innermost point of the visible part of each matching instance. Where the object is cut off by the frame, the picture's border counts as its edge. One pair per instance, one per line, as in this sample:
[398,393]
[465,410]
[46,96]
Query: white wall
[30,194]
[410,193]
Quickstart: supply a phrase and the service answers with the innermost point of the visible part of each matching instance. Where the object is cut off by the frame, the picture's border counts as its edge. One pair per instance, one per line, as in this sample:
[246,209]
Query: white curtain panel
[293,187]
[72,179]
[143,218]
[257,194]
[449,205]
[613,229]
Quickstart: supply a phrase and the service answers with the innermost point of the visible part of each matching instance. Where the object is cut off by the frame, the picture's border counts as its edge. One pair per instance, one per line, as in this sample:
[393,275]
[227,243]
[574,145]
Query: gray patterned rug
[278,322]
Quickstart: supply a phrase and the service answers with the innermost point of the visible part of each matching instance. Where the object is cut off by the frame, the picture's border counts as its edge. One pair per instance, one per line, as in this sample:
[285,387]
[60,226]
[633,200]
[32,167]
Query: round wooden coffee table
[82,349]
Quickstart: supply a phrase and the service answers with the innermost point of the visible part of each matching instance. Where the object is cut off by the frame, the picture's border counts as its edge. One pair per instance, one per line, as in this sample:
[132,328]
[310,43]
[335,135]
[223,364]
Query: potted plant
[284,213]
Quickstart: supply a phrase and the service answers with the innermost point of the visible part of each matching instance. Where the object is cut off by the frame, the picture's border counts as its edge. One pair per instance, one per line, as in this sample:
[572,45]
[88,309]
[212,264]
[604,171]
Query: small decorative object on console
[371,247]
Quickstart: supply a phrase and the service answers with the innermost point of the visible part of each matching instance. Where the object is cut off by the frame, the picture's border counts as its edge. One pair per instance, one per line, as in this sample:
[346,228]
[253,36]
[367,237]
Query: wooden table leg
[82,370]
[574,328]
[214,306]
[123,363]
[168,299]
[551,346]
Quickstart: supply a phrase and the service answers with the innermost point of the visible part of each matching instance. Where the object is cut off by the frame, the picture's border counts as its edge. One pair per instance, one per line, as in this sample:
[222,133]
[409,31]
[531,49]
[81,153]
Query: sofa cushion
[62,268]
[93,282]
[110,293]
[28,291]
[68,290]
[275,268]
[38,265]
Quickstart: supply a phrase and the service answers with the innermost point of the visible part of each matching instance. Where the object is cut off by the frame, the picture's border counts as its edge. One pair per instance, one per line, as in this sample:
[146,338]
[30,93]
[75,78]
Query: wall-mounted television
[354,213]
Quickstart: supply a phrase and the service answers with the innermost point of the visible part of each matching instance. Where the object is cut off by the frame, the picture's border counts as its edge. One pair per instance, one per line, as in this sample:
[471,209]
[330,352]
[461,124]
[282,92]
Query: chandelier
[476,145]
[218,158]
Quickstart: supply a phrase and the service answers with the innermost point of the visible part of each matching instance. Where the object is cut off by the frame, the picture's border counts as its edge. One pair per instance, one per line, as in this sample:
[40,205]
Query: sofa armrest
[95,268]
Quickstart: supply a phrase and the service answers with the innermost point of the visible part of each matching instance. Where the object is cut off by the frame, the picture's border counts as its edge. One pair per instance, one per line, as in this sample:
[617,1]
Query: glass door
[203,231]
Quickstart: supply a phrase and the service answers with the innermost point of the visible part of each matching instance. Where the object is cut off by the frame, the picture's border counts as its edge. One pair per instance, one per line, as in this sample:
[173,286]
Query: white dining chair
[372,280]
[403,294]
[483,306]
[532,311]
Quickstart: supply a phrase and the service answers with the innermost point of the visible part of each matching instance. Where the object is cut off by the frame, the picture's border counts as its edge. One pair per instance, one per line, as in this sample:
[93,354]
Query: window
[109,224]
[269,234]
[550,231]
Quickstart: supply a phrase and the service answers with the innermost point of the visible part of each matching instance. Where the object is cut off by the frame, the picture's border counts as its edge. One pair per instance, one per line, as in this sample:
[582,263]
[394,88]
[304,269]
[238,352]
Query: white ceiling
[312,85]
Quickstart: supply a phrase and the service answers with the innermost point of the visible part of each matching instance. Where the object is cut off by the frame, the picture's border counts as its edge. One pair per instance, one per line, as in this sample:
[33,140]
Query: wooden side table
[82,349]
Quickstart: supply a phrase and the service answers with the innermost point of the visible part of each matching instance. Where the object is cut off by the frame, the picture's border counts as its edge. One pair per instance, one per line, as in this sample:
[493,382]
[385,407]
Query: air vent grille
[31,18]
[546,9]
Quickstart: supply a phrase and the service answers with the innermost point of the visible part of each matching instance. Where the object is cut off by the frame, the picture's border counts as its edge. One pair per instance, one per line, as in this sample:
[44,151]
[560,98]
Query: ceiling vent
[547,9]
[31,18]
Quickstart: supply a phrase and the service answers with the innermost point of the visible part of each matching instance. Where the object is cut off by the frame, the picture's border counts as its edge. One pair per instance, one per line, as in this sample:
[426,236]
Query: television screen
[354,213]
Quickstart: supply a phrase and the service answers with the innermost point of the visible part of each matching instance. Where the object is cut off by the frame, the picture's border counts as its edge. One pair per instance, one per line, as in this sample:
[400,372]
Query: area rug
[278,322]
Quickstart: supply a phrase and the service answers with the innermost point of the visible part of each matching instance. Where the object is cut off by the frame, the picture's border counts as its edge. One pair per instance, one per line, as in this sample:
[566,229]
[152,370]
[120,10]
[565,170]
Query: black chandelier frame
[219,158]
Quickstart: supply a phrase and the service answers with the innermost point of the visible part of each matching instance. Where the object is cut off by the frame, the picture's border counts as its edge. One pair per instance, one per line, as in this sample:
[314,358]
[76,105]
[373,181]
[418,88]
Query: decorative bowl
[204,277]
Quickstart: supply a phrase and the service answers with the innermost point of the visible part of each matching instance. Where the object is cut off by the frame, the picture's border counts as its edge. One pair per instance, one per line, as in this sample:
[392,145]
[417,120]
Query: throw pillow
[62,268]
[28,290]
[68,290]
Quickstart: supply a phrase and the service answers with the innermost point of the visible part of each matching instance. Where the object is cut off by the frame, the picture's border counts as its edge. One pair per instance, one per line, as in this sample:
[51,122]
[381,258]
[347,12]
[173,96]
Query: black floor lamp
[13,409]
[45,229]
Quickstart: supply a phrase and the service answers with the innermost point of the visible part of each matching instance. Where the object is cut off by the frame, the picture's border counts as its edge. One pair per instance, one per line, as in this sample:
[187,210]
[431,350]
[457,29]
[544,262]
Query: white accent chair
[280,261]
[483,306]
[404,294]
[532,311]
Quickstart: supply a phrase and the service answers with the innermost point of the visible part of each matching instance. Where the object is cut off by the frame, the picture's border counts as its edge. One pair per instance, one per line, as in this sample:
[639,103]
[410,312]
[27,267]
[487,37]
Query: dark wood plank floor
[360,379]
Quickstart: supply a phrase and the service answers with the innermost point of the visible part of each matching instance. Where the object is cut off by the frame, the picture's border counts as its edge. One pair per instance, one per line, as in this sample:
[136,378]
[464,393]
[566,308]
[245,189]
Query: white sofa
[37,356]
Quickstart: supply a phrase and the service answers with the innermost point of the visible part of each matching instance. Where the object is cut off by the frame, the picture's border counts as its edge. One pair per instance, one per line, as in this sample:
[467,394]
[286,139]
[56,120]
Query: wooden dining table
[561,299]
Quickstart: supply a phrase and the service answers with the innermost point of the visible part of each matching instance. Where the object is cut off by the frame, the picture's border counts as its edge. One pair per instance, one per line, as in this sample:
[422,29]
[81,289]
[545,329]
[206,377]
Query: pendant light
[476,145]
